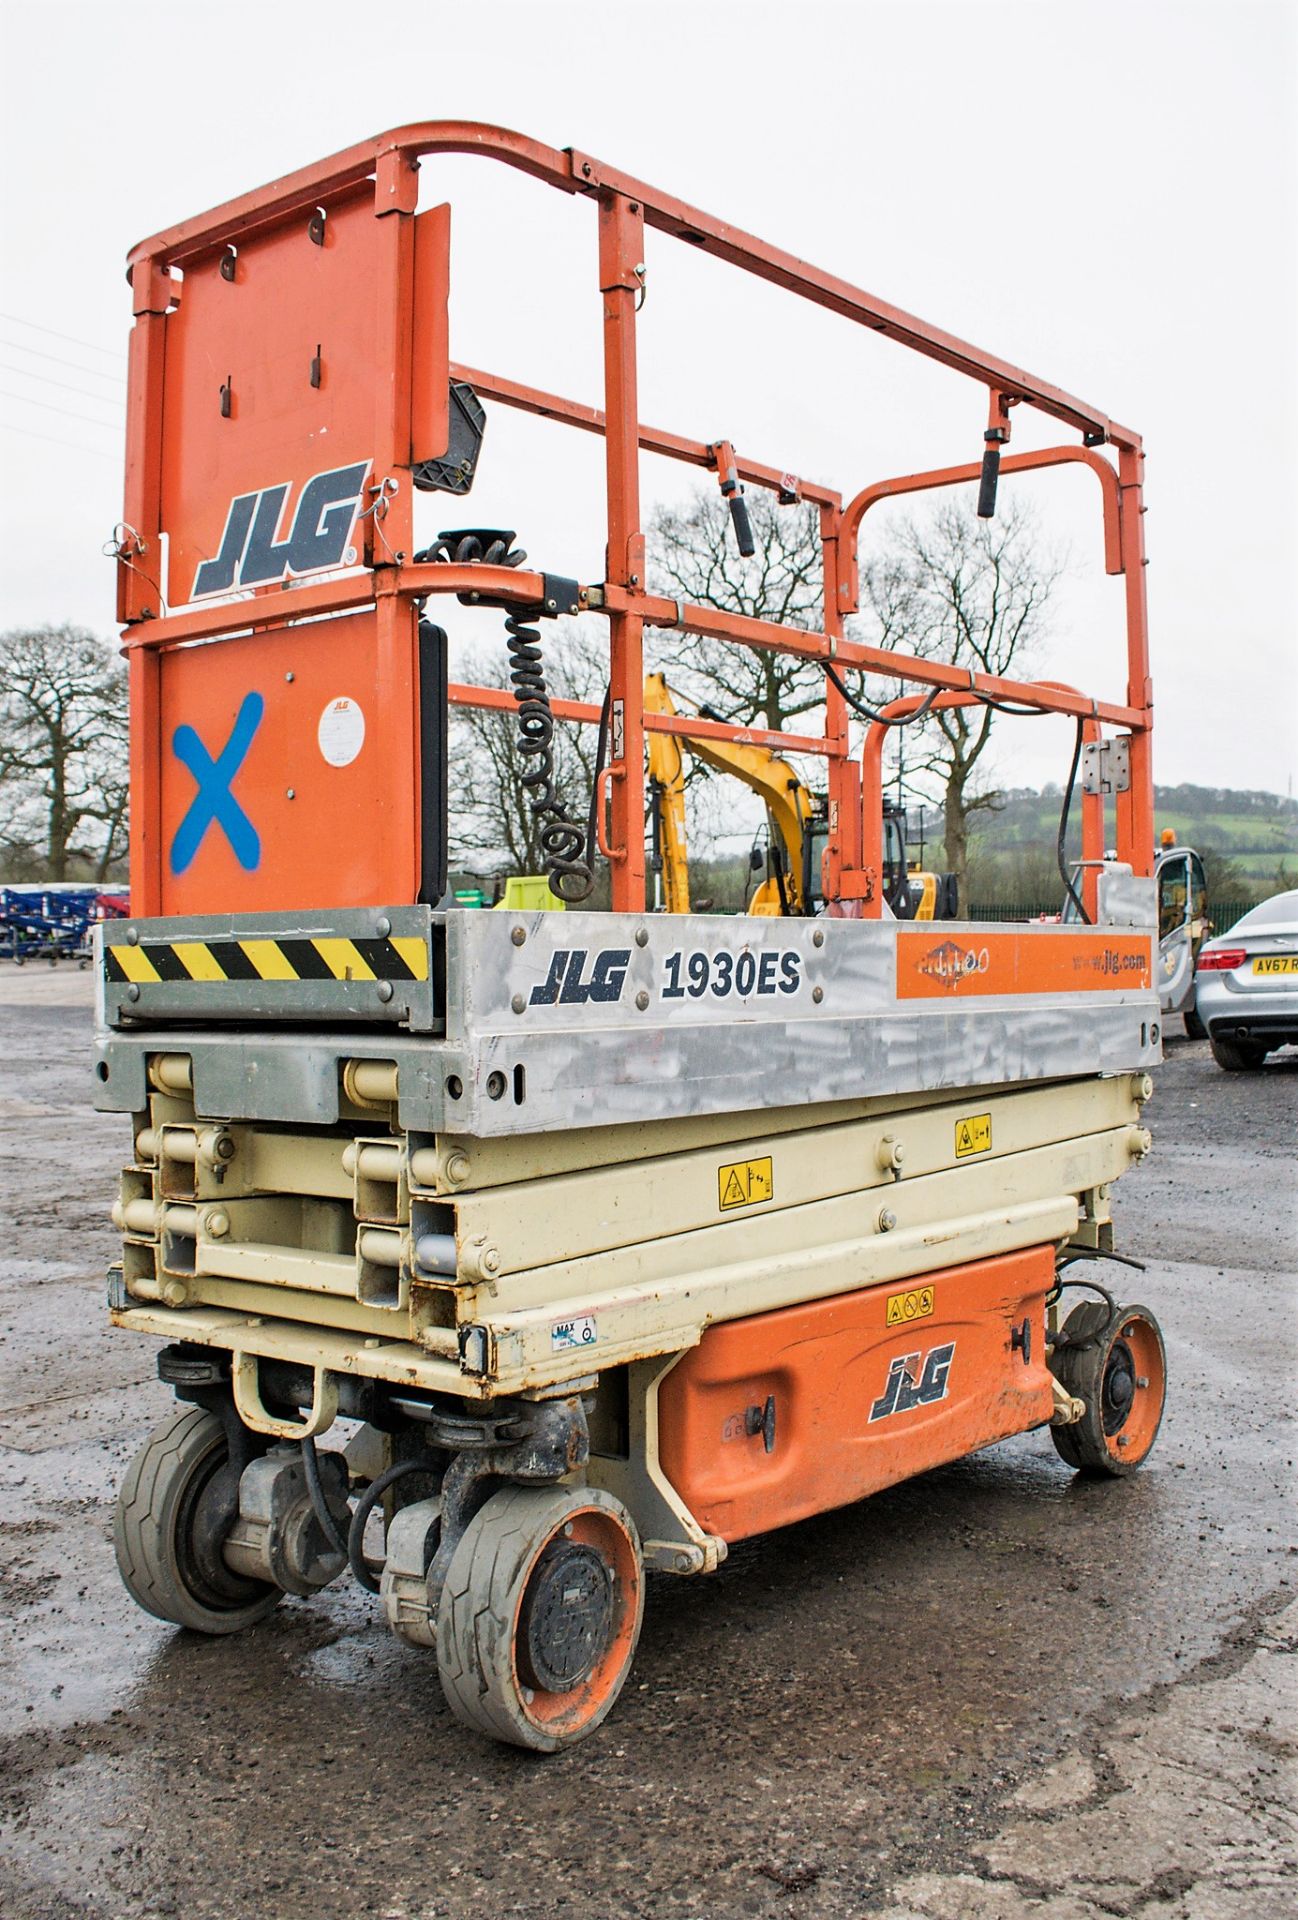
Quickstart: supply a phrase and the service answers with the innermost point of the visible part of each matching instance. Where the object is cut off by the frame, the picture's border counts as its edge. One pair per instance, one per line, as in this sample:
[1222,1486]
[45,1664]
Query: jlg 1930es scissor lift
[609,1238]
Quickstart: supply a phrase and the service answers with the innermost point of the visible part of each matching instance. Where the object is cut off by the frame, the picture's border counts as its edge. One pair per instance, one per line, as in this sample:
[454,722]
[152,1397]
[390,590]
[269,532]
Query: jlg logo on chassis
[563,986]
[250,555]
[908,1387]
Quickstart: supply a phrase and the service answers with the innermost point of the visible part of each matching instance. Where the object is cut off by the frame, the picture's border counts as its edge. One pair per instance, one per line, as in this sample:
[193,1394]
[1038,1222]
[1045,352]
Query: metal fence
[1222,913]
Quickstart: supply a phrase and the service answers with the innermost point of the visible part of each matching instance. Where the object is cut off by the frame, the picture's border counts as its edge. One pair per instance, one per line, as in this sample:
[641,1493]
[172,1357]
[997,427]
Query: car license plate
[1276,963]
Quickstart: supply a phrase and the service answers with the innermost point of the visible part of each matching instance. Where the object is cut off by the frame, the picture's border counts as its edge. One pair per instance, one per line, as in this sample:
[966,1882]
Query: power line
[71,339]
[65,446]
[47,407]
[26,373]
[60,360]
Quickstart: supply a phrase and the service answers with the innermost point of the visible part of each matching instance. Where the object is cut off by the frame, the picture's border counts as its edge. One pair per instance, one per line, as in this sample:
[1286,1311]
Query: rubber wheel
[540,1615]
[153,1531]
[1194,1027]
[1237,1056]
[1121,1376]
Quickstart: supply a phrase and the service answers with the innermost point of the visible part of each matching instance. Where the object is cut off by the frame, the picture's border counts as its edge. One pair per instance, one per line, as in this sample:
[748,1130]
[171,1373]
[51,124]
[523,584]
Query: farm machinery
[504,1257]
[53,921]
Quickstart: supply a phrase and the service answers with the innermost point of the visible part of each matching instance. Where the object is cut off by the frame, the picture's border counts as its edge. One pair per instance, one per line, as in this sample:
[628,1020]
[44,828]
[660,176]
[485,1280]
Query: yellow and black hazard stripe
[403,957]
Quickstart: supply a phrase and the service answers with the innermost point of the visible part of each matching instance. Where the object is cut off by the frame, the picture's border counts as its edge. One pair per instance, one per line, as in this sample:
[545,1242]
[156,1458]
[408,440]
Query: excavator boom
[667,783]
[787,801]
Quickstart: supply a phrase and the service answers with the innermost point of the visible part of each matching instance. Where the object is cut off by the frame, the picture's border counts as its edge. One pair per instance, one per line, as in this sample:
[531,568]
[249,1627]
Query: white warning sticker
[341,732]
[574,1333]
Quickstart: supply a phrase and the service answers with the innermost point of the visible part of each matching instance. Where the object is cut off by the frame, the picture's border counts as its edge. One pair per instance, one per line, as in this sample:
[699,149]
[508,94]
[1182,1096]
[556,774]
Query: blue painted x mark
[214,800]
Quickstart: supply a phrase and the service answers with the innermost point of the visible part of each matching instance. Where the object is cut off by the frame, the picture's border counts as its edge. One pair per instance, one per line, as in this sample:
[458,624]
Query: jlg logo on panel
[565,987]
[909,1387]
[250,554]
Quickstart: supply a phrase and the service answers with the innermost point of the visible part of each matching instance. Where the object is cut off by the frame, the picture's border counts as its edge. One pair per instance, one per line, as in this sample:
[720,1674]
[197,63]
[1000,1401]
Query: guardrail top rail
[289,371]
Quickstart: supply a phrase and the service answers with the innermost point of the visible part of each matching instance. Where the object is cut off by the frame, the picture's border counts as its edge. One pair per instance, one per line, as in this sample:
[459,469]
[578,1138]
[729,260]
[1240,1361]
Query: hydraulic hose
[872,714]
[1061,860]
[365,1507]
[319,1505]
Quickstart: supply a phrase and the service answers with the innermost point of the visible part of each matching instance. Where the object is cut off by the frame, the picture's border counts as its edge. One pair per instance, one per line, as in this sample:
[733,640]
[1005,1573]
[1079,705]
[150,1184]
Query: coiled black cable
[569,848]
[458,549]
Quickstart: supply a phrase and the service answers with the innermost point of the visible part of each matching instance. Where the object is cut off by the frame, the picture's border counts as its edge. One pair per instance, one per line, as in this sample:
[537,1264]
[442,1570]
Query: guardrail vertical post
[139,573]
[1135,808]
[844,844]
[391,500]
[621,251]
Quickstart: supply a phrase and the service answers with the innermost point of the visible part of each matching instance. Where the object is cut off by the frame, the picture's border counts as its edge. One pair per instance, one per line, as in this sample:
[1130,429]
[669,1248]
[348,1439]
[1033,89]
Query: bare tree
[693,556]
[63,749]
[946,586]
[971,593]
[493,828]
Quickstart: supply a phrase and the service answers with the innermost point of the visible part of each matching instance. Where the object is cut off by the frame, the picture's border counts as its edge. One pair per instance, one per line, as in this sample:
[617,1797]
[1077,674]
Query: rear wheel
[158,1530]
[540,1615]
[1119,1372]
[1238,1056]
[1194,1027]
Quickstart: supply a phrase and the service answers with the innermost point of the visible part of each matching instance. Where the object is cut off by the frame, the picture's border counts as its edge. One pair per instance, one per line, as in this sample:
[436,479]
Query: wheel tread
[484,1570]
[155,1483]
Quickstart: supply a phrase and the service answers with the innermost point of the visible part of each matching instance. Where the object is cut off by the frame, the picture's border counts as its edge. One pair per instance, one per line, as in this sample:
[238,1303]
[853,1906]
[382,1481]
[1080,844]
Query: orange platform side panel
[786,1414]
[283,777]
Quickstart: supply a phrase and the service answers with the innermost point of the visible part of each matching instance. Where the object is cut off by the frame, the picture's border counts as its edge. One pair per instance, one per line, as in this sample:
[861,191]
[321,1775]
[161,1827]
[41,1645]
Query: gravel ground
[994,1692]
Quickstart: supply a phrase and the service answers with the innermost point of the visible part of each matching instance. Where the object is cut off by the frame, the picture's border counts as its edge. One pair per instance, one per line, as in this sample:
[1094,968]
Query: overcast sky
[1105,194]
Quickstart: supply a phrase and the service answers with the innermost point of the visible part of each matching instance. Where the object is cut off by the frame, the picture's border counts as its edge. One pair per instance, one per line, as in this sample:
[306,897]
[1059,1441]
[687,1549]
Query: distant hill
[1249,840]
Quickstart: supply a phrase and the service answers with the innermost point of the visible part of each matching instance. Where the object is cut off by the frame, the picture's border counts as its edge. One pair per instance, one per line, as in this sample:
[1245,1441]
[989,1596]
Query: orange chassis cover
[774,1418]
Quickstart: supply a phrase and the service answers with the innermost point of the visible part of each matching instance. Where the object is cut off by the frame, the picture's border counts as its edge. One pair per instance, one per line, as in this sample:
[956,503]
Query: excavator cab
[896,874]
[815,839]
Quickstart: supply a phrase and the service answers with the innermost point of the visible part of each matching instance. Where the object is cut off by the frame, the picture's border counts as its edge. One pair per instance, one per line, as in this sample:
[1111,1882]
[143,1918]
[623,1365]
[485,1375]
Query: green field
[1248,839]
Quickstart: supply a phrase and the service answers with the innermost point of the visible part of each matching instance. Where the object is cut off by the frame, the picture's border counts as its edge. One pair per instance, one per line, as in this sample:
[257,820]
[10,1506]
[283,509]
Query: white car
[1246,985]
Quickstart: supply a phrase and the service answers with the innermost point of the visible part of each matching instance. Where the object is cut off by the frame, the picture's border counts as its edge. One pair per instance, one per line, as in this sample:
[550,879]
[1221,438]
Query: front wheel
[540,1615]
[1237,1056]
[1118,1369]
[166,1496]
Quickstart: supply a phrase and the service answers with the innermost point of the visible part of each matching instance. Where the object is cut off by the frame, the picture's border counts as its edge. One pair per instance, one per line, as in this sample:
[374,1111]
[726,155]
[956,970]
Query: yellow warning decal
[744,1183]
[973,1135]
[915,1305]
[164,963]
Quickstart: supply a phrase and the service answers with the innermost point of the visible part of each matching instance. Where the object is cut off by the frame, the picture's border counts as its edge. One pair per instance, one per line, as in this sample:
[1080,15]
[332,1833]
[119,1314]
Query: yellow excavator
[798,826]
